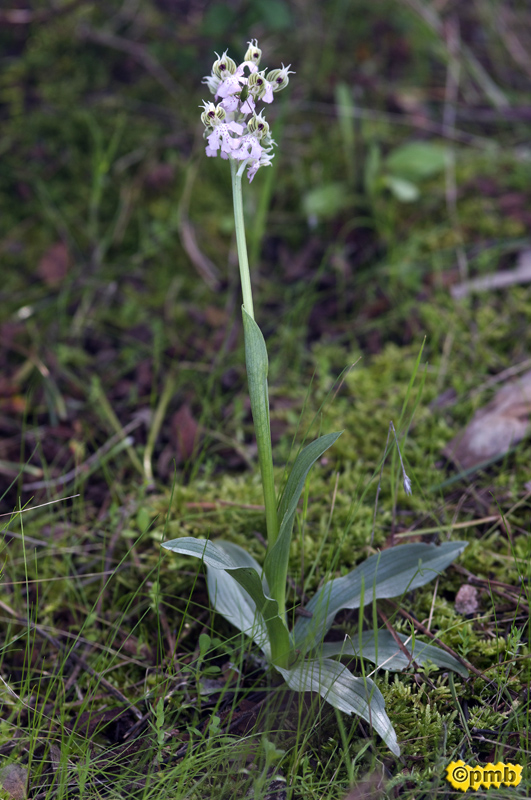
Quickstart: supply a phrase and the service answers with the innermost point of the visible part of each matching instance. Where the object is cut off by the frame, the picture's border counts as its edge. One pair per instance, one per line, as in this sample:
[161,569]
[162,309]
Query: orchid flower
[232,127]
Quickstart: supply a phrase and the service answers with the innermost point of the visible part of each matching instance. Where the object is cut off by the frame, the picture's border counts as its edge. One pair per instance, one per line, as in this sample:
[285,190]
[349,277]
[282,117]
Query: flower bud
[279,77]
[258,126]
[212,114]
[224,66]
[253,53]
[256,83]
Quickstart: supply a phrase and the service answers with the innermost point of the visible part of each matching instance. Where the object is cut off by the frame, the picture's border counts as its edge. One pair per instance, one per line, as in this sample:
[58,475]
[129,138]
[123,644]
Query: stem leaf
[257,368]
[276,562]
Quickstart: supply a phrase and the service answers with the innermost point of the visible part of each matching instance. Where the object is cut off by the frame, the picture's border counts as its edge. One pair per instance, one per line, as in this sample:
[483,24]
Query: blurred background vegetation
[403,168]
[403,171]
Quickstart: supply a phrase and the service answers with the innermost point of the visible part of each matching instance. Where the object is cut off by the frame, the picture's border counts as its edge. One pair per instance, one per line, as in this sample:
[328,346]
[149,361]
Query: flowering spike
[233,128]
[212,81]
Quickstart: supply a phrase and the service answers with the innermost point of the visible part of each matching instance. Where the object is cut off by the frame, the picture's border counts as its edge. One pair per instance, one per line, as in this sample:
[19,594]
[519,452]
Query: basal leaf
[381,648]
[390,573]
[246,576]
[341,689]
[327,200]
[417,160]
[232,601]
[404,190]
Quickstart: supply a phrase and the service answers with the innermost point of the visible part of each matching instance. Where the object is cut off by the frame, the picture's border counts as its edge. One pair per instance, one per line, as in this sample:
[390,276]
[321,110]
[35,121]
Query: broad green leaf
[276,562]
[404,190]
[381,648]
[341,689]
[390,573]
[417,160]
[247,577]
[232,601]
[327,200]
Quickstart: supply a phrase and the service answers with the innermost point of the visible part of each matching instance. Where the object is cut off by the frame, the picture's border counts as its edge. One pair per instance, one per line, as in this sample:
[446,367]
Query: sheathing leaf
[277,557]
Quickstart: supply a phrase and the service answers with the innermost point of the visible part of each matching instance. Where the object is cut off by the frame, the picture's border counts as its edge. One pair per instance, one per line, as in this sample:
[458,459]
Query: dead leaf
[495,428]
[13,780]
[185,432]
[54,264]
[371,787]
[55,756]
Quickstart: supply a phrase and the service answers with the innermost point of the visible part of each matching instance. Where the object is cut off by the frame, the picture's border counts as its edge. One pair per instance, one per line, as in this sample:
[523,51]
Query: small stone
[466,600]
[13,781]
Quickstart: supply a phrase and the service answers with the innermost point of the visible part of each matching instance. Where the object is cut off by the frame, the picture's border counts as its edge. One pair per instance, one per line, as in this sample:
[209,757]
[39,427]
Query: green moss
[427,728]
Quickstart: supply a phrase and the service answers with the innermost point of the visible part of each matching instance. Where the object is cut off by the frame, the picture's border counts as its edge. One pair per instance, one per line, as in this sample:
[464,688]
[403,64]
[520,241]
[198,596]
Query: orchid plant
[253,597]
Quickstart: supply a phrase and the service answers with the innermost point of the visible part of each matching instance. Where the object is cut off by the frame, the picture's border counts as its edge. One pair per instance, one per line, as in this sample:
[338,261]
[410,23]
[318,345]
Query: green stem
[245,275]
[256,368]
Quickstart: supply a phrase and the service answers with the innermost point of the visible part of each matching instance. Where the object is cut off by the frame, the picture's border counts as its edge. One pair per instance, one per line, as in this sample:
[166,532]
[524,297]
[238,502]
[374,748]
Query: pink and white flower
[248,147]
[232,127]
[221,139]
